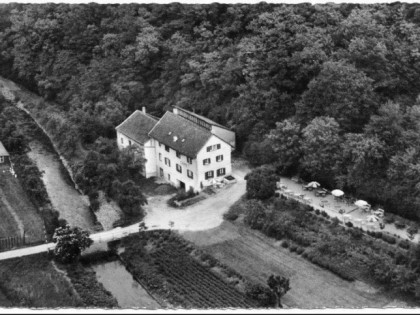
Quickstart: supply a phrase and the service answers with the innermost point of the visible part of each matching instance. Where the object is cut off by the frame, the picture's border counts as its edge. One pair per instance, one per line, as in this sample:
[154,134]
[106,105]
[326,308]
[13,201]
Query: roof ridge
[205,119]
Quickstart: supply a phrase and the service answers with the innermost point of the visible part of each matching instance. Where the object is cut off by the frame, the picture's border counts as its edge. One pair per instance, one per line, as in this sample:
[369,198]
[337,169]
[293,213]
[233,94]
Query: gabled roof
[207,120]
[137,126]
[3,151]
[172,129]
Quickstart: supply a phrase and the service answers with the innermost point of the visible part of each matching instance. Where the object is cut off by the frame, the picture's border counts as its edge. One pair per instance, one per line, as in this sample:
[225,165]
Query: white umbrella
[337,192]
[361,203]
[313,184]
[372,218]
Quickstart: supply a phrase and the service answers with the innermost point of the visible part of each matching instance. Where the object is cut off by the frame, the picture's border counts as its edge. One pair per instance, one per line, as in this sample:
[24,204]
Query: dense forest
[327,91]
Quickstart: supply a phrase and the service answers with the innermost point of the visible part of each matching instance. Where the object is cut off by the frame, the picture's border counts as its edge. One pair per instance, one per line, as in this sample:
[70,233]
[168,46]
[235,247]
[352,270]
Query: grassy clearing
[169,267]
[25,211]
[8,225]
[32,281]
[256,256]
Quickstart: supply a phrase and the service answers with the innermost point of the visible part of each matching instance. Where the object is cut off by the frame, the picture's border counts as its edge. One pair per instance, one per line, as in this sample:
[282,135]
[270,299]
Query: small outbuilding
[4,156]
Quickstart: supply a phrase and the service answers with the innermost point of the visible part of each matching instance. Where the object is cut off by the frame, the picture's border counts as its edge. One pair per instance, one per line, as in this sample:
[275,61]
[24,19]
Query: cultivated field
[17,212]
[257,257]
[163,262]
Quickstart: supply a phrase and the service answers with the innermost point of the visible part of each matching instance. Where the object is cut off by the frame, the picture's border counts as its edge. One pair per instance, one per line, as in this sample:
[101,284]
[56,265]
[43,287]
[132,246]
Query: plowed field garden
[175,272]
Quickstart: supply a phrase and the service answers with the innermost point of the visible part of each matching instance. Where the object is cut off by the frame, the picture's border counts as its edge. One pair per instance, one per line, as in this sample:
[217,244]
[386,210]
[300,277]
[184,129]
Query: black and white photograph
[167,157]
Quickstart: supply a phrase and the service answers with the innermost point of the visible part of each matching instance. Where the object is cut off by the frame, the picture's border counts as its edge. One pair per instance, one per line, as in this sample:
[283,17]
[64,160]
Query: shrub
[389,239]
[230,216]
[404,244]
[324,214]
[285,244]
[399,224]
[293,248]
[349,224]
[276,194]
[261,294]
[378,234]
[356,234]
[317,211]
[94,205]
[335,221]
[300,250]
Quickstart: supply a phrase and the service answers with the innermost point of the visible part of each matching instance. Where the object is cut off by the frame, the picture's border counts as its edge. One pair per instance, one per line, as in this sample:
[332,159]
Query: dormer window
[183,140]
[175,138]
[170,132]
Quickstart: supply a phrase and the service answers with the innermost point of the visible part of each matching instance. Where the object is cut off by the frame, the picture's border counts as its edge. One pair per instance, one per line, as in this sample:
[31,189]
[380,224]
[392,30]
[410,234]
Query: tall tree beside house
[261,183]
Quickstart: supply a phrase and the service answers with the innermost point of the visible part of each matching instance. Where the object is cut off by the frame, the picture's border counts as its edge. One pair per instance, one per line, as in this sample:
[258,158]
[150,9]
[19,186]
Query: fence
[9,243]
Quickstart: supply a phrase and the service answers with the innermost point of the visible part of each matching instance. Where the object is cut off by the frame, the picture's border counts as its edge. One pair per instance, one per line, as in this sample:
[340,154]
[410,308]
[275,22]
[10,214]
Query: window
[166,148]
[169,176]
[161,171]
[189,160]
[178,155]
[122,140]
[190,174]
[160,156]
[129,142]
[219,158]
[179,168]
[158,143]
[209,174]
[213,147]
[1,159]
[167,162]
[206,161]
[221,171]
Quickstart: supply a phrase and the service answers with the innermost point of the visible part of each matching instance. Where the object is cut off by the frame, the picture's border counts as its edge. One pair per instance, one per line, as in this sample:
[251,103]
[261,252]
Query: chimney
[143,109]
[175,111]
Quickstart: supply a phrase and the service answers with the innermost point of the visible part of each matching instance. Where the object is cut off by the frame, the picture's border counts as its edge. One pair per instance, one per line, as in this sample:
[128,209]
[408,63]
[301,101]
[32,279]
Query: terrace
[342,208]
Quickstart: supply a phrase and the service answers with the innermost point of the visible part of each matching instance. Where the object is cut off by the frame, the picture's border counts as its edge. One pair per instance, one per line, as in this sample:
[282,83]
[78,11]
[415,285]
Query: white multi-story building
[187,150]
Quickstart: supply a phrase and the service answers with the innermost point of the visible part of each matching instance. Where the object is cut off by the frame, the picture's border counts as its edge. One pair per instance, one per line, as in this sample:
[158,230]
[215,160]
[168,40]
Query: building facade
[183,149]
[4,156]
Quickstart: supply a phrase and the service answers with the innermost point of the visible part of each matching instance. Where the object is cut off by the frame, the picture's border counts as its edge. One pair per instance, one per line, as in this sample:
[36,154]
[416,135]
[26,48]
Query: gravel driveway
[203,215]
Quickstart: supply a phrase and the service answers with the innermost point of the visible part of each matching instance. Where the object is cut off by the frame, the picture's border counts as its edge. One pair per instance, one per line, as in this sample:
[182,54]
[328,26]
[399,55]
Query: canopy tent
[313,184]
[372,218]
[361,204]
[337,193]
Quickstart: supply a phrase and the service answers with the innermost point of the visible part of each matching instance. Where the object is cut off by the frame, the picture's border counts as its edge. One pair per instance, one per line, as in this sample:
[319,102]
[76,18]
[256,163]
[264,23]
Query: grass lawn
[256,256]
[17,211]
[33,281]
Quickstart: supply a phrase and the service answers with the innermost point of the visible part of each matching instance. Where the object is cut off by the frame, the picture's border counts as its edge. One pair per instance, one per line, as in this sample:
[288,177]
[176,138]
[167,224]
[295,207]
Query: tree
[320,147]
[279,286]
[261,183]
[339,91]
[129,197]
[287,144]
[70,243]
